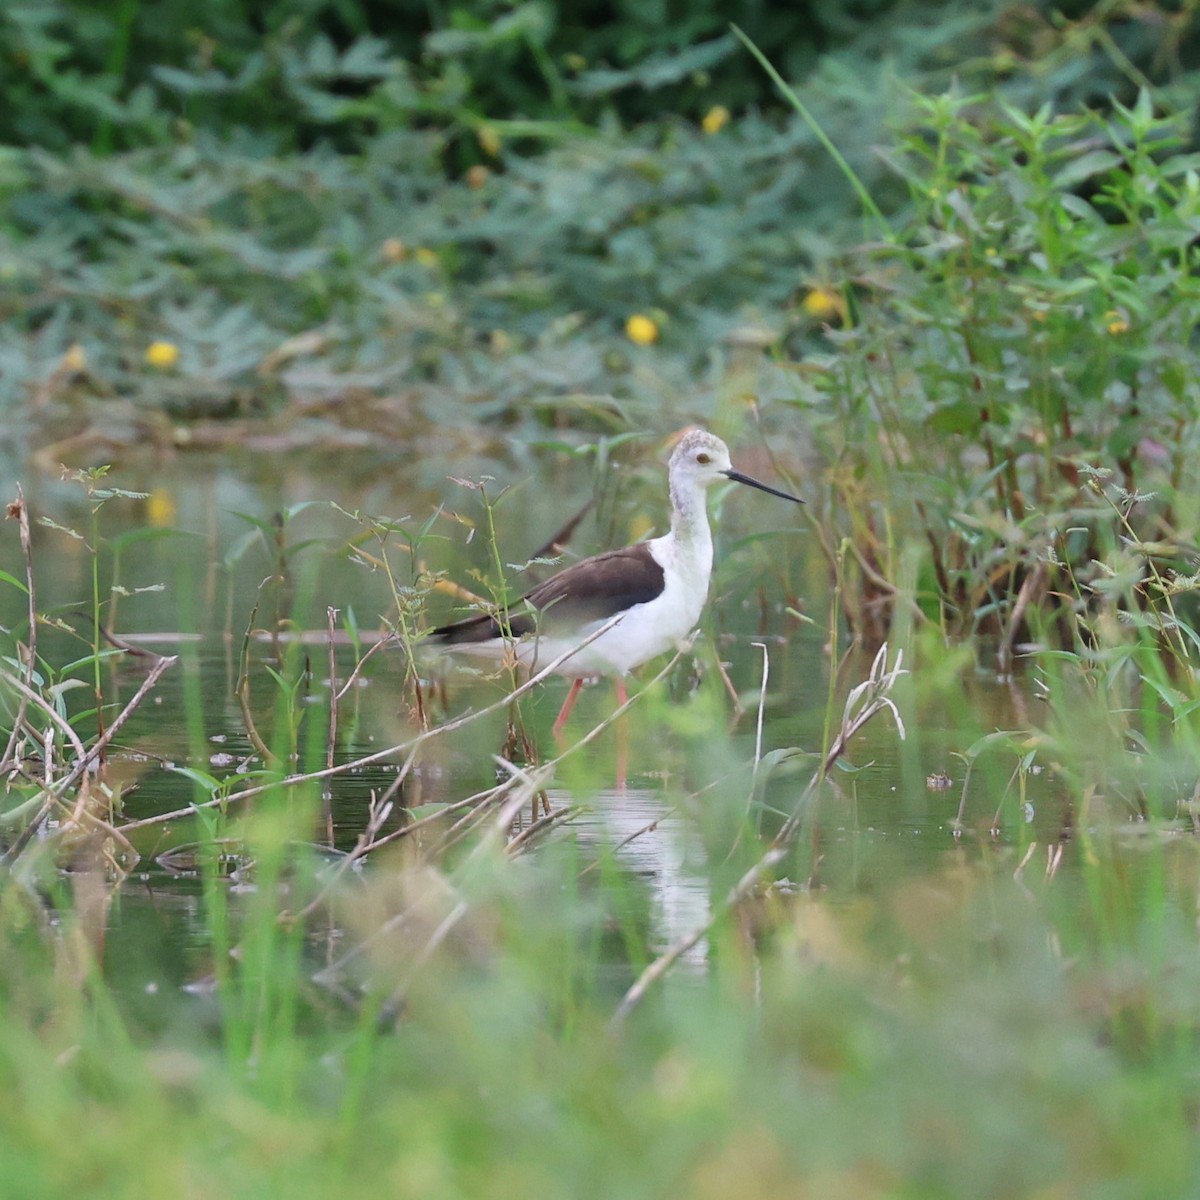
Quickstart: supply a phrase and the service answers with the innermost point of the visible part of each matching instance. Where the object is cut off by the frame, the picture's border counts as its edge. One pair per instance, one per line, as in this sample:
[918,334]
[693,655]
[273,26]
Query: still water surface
[192,562]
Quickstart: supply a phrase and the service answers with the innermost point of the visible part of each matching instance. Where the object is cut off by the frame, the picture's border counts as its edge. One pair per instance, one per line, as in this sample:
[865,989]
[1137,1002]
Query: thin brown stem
[242,687]
[331,738]
[85,760]
[20,510]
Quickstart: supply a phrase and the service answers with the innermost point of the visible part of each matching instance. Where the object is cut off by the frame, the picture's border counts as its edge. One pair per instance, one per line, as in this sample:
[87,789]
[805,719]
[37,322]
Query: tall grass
[482,1011]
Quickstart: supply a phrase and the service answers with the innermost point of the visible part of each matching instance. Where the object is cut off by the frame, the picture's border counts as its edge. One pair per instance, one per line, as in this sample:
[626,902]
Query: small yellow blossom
[1115,322]
[426,257]
[824,304]
[160,508]
[1038,315]
[990,252]
[394,250]
[715,119]
[489,140]
[162,354]
[75,359]
[641,330]
[640,527]
[500,341]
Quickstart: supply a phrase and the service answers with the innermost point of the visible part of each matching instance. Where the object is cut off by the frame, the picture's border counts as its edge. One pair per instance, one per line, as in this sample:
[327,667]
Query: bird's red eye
[703,459]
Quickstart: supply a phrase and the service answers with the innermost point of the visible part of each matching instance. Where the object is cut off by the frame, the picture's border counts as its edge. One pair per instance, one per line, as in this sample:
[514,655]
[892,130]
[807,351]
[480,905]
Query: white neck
[689,519]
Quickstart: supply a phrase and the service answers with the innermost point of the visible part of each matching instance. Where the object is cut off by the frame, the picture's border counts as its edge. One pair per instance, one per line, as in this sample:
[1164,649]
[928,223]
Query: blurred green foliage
[119,75]
[410,216]
[280,199]
[443,215]
[301,210]
[1029,319]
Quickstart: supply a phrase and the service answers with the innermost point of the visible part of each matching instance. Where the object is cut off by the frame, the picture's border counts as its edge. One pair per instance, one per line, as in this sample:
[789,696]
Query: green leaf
[655,70]
[1086,166]
[420,811]
[149,534]
[209,783]
[17,583]
[50,523]
[960,416]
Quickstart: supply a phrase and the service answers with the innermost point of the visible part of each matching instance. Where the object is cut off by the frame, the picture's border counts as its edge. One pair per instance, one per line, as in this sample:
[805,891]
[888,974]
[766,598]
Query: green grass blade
[869,206]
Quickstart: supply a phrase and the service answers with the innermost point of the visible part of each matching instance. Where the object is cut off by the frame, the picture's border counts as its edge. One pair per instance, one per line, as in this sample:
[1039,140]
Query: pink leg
[568,704]
[622,738]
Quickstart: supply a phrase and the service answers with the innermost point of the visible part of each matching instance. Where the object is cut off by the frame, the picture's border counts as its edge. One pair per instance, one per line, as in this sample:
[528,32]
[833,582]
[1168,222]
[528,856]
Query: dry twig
[408,748]
[865,701]
[20,510]
[84,760]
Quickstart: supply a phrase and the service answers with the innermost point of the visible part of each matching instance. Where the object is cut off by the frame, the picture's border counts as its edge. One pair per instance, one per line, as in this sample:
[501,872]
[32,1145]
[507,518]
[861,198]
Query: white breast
[644,631]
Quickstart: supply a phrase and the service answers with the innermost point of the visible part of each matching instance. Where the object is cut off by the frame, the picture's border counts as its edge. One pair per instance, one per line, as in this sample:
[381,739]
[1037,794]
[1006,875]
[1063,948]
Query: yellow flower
[1115,322]
[641,330]
[489,140]
[425,256]
[160,508]
[824,304]
[639,527]
[990,252]
[715,119]
[75,359]
[162,354]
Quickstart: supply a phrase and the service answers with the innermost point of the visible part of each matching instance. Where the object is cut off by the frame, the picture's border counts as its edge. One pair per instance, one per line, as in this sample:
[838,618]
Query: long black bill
[750,481]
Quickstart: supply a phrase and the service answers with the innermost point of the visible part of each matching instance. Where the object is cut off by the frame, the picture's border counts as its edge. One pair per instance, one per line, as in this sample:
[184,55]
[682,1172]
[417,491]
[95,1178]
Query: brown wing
[592,590]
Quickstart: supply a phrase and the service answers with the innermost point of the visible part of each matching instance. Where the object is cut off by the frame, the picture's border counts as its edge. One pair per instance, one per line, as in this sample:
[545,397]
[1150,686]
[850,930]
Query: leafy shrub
[1031,318]
[121,75]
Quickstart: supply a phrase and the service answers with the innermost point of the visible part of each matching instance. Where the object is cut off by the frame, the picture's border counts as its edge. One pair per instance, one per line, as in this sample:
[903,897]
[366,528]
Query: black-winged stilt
[656,588]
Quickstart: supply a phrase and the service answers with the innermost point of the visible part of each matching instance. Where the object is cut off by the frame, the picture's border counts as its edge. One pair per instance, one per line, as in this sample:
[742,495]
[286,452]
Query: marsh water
[208,570]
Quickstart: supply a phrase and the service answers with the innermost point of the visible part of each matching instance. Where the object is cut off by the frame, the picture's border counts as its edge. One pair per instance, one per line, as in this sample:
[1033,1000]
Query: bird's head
[701,459]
